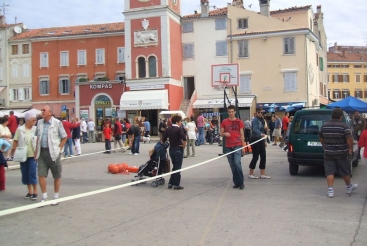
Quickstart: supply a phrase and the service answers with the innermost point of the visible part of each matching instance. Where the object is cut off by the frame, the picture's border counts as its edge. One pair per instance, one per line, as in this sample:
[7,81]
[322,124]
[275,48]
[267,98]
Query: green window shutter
[321,63]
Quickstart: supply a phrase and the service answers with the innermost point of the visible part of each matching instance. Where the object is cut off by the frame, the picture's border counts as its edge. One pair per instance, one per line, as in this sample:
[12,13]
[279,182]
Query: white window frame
[14,95]
[221,48]
[358,75]
[120,55]
[27,94]
[15,70]
[64,58]
[287,46]
[25,70]
[187,26]
[44,60]
[61,80]
[221,24]
[245,84]
[242,23]
[290,81]
[47,80]
[243,48]
[185,47]
[345,91]
[82,55]
[335,95]
[100,52]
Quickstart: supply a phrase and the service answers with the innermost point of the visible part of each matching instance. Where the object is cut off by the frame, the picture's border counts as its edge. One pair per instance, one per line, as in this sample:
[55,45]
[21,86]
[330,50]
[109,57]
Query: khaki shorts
[45,163]
[277,133]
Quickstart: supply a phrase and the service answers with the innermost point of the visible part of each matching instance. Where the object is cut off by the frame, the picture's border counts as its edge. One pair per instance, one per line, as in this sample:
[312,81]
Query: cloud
[344,20]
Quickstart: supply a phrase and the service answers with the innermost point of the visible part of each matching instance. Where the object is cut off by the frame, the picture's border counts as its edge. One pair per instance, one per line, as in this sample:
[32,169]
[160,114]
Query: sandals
[9,159]
[252,177]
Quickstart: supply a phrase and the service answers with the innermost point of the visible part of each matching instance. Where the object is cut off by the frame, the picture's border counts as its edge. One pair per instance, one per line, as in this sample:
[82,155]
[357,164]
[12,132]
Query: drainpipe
[306,72]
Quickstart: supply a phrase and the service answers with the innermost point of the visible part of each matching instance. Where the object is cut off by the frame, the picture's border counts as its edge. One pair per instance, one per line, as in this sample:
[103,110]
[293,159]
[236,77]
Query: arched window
[152,66]
[142,68]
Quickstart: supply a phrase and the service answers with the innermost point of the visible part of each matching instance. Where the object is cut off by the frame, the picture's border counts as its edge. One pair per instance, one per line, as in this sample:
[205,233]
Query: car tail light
[290,147]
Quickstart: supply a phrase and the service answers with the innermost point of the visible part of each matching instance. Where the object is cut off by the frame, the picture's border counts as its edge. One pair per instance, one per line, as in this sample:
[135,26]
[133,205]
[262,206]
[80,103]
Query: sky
[345,21]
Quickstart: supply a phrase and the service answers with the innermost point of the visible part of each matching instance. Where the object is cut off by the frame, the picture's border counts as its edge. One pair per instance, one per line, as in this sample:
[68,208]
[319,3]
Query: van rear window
[310,123]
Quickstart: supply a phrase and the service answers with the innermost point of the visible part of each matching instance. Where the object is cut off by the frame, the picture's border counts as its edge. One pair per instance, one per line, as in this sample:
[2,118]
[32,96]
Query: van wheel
[293,169]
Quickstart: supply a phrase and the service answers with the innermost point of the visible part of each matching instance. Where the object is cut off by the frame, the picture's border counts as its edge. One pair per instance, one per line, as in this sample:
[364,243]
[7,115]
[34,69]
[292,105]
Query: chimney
[2,20]
[204,8]
[345,53]
[318,9]
[264,7]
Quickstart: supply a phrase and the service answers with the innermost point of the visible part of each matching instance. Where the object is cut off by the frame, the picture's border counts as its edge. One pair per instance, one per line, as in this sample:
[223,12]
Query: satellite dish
[25,27]
[17,29]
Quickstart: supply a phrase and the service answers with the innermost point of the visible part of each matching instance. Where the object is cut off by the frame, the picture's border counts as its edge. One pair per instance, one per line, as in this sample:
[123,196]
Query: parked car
[304,146]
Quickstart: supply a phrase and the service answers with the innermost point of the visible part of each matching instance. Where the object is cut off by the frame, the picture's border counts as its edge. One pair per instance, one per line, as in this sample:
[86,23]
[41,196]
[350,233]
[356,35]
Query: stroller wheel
[154,184]
[161,182]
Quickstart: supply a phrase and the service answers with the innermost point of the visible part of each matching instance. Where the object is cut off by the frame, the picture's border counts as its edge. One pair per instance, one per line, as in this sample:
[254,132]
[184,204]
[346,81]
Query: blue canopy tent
[349,104]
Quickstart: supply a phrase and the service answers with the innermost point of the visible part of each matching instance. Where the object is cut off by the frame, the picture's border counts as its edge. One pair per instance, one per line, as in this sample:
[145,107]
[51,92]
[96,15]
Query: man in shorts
[337,141]
[51,138]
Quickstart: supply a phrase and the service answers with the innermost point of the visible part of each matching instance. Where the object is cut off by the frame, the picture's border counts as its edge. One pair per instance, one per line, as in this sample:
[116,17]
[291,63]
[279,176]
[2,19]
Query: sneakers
[28,196]
[236,186]
[242,186]
[131,153]
[251,176]
[136,154]
[34,197]
[178,187]
[330,192]
[55,202]
[43,201]
[264,177]
[351,188]
[170,186]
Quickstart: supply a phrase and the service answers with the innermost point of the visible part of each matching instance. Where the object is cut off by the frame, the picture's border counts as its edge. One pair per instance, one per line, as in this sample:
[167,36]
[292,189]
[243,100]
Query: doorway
[152,116]
[189,87]
[102,105]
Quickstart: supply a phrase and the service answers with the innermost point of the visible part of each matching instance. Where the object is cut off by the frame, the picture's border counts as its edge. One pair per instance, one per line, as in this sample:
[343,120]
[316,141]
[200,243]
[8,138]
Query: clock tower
[153,52]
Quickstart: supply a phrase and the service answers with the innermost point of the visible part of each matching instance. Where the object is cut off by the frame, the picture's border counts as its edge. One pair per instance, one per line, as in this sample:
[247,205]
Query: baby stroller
[156,165]
[213,135]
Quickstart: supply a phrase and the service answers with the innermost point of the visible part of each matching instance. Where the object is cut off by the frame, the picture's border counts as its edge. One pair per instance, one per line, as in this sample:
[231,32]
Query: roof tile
[349,57]
[216,12]
[270,31]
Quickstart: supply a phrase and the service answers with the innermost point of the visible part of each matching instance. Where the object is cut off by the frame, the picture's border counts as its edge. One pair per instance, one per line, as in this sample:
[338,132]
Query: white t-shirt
[83,126]
[4,130]
[91,126]
[191,130]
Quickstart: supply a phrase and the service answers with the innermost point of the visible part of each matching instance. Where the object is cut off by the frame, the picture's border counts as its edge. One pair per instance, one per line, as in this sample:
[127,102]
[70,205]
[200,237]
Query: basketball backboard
[225,73]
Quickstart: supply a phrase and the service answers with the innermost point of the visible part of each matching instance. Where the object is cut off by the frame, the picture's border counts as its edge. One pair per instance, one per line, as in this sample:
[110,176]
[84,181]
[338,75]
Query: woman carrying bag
[23,151]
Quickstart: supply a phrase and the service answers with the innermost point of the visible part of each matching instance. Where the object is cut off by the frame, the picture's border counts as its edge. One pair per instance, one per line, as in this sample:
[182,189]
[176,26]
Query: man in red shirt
[117,134]
[107,132]
[285,123]
[232,129]
[69,142]
[12,123]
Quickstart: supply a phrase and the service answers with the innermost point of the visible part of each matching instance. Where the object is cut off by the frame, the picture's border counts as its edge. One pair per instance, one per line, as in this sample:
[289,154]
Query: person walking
[247,124]
[25,137]
[191,134]
[362,143]
[359,125]
[51,138]
[337,141]
[76,137]
[200,123]
[285,123]
[91,131]
[162,128]
[127,127]
[6,134]
[68,149]
[107,132]
[177,140]
[83,128]
[4,147]
[232,129]
[13,123]
[146,125]
[271,128]
[287,134]
[117,134]
[258,147]
[277,129]
[134,139]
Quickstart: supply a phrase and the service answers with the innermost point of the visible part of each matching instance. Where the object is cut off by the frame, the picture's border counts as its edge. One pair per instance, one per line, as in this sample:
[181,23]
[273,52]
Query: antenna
[3,8]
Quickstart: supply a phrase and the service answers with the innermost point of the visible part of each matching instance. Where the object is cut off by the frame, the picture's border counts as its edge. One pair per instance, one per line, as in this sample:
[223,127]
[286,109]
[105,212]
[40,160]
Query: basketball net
[221,85]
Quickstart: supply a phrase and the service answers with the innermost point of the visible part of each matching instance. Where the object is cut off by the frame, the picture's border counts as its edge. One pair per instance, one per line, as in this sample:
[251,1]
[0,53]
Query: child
[3,162]
[107,136]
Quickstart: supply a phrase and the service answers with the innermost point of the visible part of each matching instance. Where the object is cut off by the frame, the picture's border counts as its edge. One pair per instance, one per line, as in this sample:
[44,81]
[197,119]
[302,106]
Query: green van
[304,146]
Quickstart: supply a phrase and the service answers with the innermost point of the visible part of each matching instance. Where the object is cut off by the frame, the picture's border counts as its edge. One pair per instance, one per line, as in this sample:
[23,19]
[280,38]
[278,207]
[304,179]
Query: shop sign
[103,102]
[84,114]
[146,87]
[100,86]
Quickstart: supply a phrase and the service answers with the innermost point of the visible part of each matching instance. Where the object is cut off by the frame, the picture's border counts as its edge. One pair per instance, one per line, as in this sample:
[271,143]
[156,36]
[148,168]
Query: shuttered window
[82,57]
[335,77]
[188,51]
[245,84]
[345,77]
[243,48]
[100,57]
[120,54]
[289,46]
[221,48]
[44,87]
[290,82]
[64,86]
[187,27]
[242,23]
[321,63]
[220,24]
[44,59]
[365,78]
[64,58]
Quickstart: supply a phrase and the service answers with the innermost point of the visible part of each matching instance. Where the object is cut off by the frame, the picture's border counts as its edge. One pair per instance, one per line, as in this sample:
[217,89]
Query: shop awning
[140,100]
[219,103]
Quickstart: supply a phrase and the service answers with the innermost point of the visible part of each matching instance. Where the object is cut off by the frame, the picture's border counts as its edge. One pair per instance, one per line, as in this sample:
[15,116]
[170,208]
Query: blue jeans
[85,137]
[29,171]
[135,145]
[176,154]
[201,139]
[234,161]
[68,147]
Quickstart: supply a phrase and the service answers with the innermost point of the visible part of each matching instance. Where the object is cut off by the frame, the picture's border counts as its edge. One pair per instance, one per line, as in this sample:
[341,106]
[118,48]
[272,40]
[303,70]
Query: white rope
[68,198]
